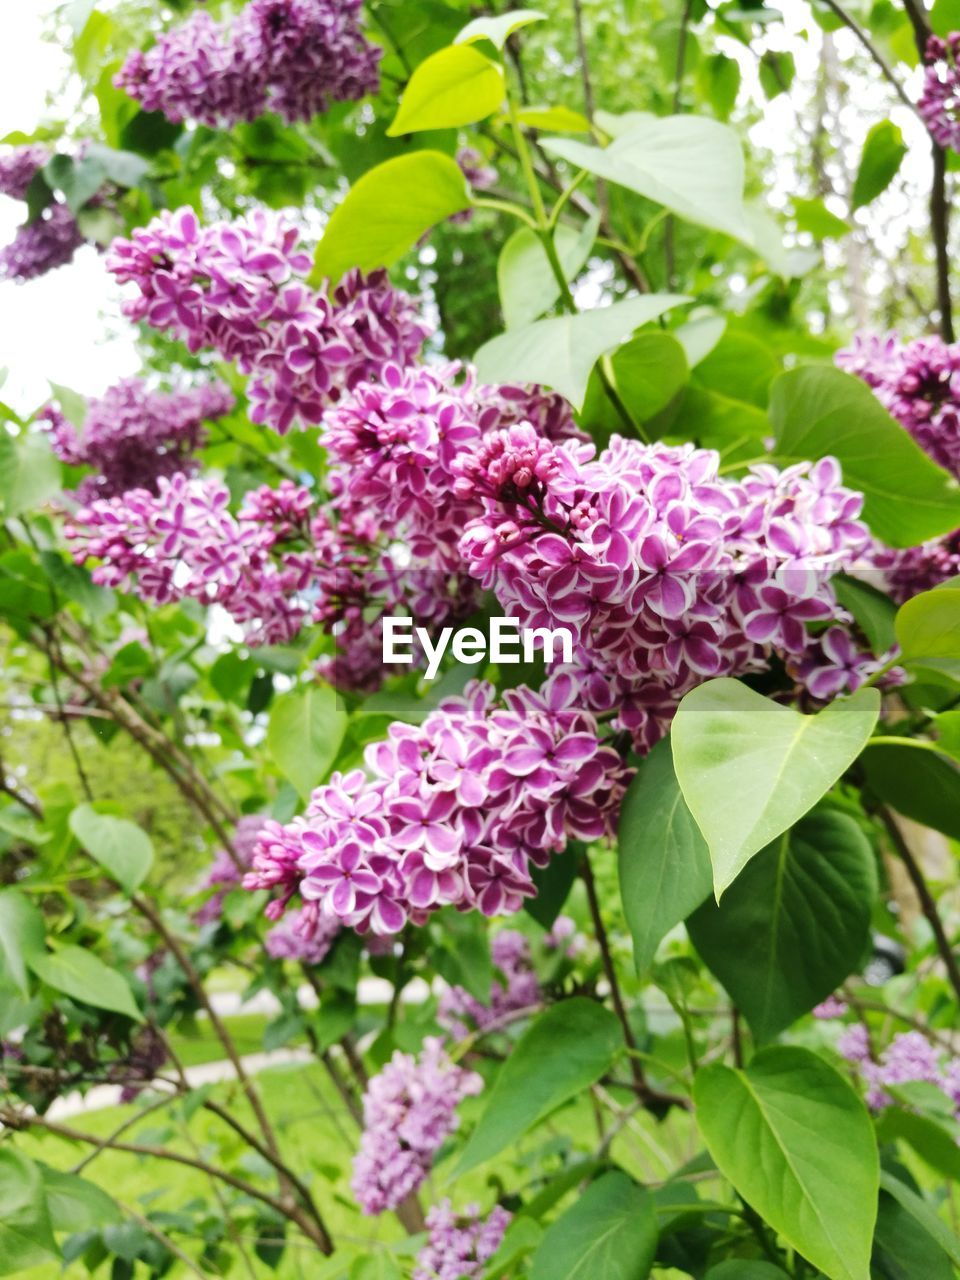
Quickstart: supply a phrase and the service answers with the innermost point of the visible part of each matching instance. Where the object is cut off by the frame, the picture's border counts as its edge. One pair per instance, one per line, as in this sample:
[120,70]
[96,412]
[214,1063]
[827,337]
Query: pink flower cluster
[409,1110]
[184,543]
[939,103]
[226,872]
[238,288]
[294,57]
[453,812]
[19,167]
[908,1057]
[132,436]
[460,1244]
[306,940]
[666,573]
[460,1013]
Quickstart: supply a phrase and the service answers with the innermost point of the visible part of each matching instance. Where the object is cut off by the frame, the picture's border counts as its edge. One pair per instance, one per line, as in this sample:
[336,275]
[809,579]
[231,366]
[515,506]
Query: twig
[927,904]
[886,70]
[163,1238]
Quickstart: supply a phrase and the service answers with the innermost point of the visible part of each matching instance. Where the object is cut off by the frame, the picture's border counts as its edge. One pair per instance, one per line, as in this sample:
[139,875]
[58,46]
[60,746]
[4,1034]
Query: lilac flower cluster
[919,383]
[146,1056]
[132,436]
[460,1014]
[453,812]
[52,238]
[184,543]
[460,1244]
[294,57]
[666,573]
[939,102]
[238,288]
[409,1110]
[19,167]
[909,1057]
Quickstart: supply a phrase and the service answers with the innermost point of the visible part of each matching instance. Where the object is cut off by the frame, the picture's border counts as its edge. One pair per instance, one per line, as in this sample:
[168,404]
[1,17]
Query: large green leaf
[569,1047]
[387,211]
[932,1141]
[689,164]
[903,1248]
[560,353]
[922,785]
[123,849]
[794,924]
[527,284]
[26,1238]
[304,735]
[454,86]
[648,372]
[883,152]
[744,1269]
[82,976]
[818,411]
[928,630]
[75,1203]
[750,768]
[609,1232]
[21,937]
[664,861]
[796,1142]
[29,473]
[922,1214]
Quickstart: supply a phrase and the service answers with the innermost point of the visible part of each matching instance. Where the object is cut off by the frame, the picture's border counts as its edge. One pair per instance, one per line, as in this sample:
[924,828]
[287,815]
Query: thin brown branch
[927,904]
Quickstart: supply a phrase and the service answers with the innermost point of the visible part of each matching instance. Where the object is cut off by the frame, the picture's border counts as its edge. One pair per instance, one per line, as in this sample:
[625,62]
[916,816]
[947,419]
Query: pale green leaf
[304,734]
[123,849]
[21,937]
[26,1237]
[749,768]
[497,28]
[454,86]
[527,284]
[80,975]
[387,211]
[560,352]
[689,164]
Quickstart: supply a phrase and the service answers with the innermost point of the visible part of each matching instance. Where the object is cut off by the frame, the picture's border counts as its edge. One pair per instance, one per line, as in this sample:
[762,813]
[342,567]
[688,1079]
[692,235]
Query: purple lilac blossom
[453,811]
[132,436]
[908,1057]
[832,1007]
[226,872]
[939,102]
[43,245]
[479,174]
[306,940]
[409,1110]
[294,57]
[460,1244]
[19,167]
[460,1013]
[238,288]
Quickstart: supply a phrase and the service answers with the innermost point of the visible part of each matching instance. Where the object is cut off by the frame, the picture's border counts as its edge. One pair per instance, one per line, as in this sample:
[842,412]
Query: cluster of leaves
[635,1126]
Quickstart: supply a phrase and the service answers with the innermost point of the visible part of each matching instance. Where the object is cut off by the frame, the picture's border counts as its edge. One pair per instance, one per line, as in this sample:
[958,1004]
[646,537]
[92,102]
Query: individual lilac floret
[939,103]
[460,1244]
[132,436]
[294,57]
[43,245]
[19,167]
[461,1014]
[409,1110]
